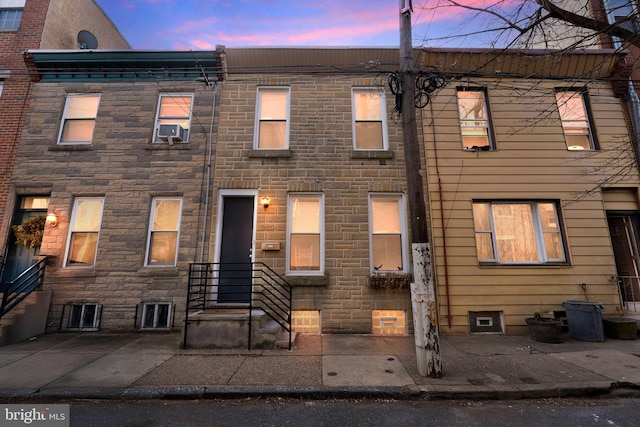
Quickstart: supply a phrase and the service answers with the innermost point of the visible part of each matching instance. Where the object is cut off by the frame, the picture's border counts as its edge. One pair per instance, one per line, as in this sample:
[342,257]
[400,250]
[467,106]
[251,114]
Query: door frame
[632,306]
[222,194]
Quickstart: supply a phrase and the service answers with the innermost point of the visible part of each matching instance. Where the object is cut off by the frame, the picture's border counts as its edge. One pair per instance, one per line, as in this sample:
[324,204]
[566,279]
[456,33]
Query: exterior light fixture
[264,200]
[52,219]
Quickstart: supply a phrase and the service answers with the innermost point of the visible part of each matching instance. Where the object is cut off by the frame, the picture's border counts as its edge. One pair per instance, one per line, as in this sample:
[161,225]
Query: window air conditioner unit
[175,132]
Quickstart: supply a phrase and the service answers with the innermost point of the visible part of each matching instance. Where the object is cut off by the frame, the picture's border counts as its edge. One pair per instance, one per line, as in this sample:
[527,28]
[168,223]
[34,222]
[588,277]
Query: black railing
[15,291]
[219,286]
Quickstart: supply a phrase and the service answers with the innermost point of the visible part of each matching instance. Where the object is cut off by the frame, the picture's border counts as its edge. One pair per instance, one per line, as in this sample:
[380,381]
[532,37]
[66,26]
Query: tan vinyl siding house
[530,162]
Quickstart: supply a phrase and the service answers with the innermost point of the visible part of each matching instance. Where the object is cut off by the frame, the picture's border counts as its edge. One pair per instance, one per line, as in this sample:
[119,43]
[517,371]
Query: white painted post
[425,313]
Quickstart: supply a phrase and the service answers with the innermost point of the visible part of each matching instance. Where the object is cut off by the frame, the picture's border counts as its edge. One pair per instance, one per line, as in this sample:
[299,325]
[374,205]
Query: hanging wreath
[29,233]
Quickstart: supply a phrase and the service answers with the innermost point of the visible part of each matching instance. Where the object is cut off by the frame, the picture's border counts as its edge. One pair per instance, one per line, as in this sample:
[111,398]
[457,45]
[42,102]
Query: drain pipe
[635,112]
[208,184]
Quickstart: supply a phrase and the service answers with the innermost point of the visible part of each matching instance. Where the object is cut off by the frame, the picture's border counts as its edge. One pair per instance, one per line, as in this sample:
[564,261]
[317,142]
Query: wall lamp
[52,219]
[265,200]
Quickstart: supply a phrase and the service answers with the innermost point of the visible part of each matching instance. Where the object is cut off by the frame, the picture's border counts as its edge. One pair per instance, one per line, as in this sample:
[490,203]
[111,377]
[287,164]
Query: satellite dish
[86,40]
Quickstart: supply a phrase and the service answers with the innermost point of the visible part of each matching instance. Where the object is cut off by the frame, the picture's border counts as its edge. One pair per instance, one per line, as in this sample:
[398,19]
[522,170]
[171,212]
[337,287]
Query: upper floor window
[1,86]
[369,119]
[84,230]
[575,120]
[305,229]
[11,14]
[79,119]
[475,119]
[162,247]
[387,233]
[272,119]
[518,232]
[621,12]
[173,119]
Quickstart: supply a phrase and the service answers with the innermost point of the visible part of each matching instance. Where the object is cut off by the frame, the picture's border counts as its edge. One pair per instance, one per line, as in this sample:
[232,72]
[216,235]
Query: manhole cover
[389,371]
[476,381]
[529,380]
[332,374]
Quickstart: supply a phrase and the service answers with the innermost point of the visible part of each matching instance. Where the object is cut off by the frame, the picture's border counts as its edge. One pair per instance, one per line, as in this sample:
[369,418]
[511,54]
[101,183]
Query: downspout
[208,184]
[221,75]
[442,224]
[634,102]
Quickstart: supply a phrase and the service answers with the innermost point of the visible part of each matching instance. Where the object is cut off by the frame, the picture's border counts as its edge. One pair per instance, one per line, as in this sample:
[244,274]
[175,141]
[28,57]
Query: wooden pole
[423,295]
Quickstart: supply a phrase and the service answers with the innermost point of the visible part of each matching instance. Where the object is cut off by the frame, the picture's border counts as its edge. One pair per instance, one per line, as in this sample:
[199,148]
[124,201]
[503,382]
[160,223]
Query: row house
[533,187]
[208,188]
[24,25]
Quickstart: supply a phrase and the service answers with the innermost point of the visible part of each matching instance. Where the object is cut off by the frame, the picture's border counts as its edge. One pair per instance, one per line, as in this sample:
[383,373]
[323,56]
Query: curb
[320,392]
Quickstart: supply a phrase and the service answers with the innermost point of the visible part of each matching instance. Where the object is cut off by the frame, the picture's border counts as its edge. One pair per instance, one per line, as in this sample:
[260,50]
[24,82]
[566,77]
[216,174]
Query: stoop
[28,319]
[229,328]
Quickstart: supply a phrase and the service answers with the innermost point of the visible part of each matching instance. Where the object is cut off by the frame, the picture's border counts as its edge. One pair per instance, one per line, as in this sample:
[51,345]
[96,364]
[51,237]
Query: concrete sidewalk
[137,366]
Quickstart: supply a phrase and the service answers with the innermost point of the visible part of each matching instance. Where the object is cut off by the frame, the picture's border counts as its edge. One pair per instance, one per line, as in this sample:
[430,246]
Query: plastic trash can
[585,320]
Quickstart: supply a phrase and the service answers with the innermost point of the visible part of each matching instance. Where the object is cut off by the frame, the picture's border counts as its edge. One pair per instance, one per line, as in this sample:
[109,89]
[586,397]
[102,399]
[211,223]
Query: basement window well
[156,315]
[83,317]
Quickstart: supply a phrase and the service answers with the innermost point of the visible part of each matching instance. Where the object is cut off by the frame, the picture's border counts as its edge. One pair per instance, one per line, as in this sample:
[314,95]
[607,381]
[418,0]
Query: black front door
[234,284]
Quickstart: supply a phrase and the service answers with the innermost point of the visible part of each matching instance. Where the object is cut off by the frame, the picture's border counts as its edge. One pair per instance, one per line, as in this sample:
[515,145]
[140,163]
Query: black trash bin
[585,320]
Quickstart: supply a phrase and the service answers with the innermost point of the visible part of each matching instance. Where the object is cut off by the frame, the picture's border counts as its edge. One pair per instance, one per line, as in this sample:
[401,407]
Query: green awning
[112,65]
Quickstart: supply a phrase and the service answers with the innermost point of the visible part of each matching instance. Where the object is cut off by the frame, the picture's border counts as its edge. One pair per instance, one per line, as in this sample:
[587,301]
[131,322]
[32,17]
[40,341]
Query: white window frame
[155,307]
[488,125]
[66,119]
[12,6]
[72,230]
[151,231]
[258,120]
[567,124]
[538,233]
[613,11]
[404,245]
[188,116]
[290,209]
[380,94]
[95,320]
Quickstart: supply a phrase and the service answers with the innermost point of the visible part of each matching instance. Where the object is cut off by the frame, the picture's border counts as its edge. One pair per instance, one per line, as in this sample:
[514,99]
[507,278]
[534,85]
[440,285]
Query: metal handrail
[630,291]
[15,291]
[254,285]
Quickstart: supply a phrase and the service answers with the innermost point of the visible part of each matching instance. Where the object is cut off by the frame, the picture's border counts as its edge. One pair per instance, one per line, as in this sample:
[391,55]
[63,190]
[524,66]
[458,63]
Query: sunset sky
[203,24]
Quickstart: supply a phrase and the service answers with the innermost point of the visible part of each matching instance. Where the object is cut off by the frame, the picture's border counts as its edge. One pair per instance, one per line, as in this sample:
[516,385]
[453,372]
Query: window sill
[371,154]
[531,265]
[322,280]
[284,153]
[71,147]
[166,146]
[475,148]
[159,271]
[74,272]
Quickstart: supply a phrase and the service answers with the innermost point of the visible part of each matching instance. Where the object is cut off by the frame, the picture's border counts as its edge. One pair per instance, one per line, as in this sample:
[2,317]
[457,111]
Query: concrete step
[282,340]
[27,319]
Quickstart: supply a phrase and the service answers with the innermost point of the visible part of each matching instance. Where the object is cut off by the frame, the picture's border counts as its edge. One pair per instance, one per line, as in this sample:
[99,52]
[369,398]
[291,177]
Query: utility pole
[423,295]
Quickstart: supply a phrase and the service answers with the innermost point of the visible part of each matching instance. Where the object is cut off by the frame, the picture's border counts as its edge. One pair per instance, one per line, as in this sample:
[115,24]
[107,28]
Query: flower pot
[545,329]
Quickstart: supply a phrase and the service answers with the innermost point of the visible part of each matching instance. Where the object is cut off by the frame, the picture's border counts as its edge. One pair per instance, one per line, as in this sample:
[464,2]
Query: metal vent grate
[486,322]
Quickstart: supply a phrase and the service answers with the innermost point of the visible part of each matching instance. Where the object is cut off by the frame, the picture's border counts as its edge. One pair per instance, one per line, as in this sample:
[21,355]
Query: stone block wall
[128,170]
[320,159]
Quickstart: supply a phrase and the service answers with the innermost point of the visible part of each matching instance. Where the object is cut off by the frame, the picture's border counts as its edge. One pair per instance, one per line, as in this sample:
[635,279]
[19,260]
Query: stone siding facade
[320,160]
[128,170]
